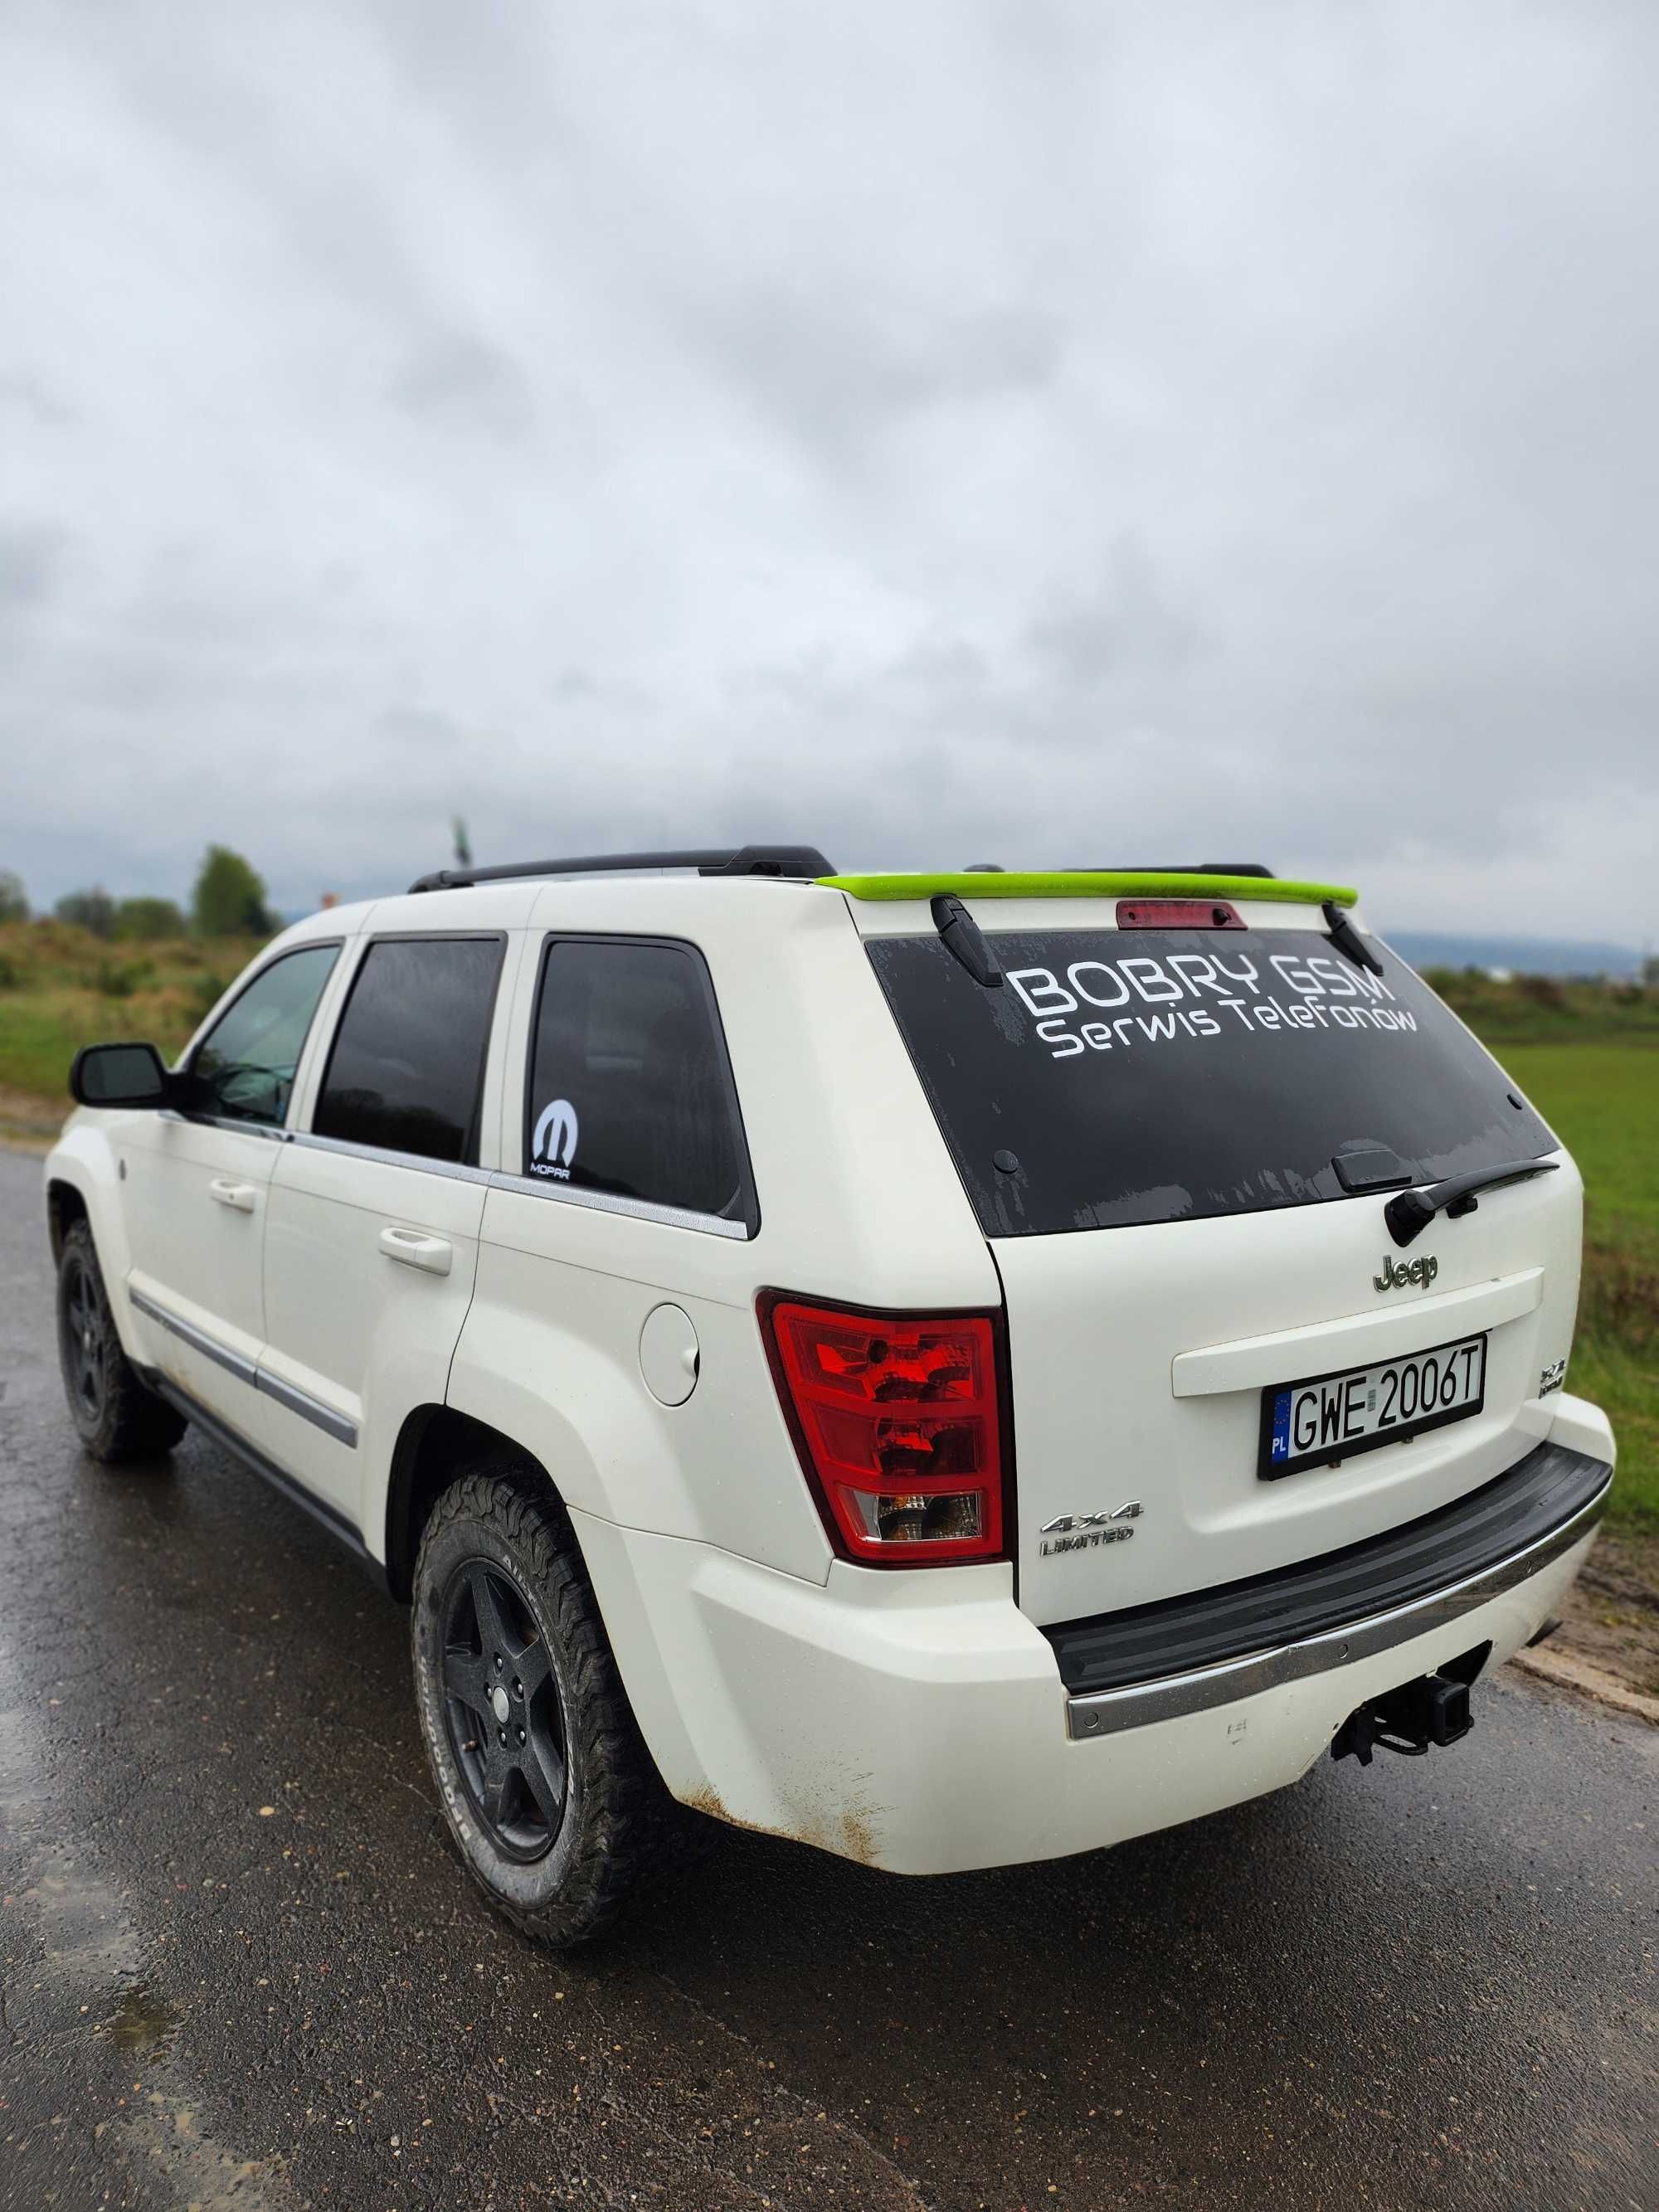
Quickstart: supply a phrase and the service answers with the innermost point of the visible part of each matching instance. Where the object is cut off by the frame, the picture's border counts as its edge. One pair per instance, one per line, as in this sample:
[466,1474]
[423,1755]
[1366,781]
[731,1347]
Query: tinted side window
[407,1067]
[630,1089]
[243,1069]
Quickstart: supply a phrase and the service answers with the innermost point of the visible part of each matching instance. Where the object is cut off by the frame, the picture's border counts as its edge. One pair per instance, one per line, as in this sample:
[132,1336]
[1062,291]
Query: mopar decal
[555,1145]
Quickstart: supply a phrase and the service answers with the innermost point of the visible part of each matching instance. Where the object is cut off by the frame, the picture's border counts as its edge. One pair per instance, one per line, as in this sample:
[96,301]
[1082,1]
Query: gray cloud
[458,382]
[31,556]
[1014,432]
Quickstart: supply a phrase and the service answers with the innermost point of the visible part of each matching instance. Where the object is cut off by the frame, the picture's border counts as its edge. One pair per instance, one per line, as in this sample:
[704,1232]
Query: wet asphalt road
[240,1967]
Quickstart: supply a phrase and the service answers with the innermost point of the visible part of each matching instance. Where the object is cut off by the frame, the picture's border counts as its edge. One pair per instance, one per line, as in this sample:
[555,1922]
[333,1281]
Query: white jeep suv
[955,1369]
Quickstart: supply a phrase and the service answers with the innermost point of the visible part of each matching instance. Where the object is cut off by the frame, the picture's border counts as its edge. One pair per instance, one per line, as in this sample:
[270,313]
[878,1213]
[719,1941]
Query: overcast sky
[1039,432]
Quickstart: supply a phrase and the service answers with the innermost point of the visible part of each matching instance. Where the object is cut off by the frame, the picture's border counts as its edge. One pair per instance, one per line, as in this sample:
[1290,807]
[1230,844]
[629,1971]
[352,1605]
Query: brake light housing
[1179,914]
[899,1421]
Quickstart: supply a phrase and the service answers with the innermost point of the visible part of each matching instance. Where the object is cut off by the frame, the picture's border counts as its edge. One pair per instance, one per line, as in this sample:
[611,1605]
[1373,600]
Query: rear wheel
[116,1416]
[545,1784]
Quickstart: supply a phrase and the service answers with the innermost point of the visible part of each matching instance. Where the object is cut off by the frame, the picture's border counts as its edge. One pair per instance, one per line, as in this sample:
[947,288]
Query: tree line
[229,900]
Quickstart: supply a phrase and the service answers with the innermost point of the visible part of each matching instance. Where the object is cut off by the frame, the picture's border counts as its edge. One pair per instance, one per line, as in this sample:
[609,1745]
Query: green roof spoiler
[1087,883]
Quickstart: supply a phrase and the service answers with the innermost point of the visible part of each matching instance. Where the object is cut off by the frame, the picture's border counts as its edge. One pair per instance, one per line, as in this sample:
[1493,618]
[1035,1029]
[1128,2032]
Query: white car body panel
[914,1721]
[198,1259]
[1108,1331]
[356,1331]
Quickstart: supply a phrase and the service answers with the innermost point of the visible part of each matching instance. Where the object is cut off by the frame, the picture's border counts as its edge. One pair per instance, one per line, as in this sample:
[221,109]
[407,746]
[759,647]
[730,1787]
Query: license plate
[1327,1418]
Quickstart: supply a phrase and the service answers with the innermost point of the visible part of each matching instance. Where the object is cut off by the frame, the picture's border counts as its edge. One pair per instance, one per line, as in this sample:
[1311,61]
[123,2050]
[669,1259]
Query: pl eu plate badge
[1280,1447]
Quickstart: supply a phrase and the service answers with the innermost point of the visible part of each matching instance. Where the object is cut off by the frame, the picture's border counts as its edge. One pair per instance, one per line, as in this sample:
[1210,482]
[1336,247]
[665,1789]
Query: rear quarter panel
[858,1201]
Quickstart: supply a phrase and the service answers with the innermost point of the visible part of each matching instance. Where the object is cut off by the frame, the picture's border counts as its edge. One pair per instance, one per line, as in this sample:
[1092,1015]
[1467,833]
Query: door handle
[240,1195]
[435,1255]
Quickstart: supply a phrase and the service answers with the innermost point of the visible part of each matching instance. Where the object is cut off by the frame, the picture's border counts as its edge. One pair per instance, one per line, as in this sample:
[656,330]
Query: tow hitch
[1432,1709]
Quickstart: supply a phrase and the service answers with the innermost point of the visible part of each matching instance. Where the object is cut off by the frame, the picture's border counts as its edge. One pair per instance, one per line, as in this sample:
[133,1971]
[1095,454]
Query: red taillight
[1178,913]
[897,1424]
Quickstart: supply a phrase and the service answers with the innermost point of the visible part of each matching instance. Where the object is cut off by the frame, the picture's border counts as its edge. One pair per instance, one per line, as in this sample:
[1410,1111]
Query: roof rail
[745,860]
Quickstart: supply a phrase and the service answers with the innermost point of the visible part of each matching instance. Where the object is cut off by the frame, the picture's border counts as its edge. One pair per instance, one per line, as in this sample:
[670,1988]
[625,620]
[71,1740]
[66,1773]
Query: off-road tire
[506,1518]
[117,1417]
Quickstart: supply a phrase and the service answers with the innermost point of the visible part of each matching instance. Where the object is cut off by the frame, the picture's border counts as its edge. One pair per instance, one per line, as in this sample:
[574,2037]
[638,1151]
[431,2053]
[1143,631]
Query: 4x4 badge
[1083,1532]
[1421,1272]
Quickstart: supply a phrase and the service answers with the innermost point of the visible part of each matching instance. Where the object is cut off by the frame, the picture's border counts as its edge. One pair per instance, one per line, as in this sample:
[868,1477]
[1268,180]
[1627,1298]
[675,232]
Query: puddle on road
[142,2020]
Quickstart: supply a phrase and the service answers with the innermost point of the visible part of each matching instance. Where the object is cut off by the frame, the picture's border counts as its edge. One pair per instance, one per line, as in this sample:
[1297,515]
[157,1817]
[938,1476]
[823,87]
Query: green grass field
[1602,1101]
[1588,1058]
[60,987]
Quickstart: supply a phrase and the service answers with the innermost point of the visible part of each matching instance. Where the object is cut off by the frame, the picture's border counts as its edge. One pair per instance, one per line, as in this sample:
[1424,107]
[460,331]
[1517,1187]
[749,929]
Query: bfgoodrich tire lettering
[499,1576]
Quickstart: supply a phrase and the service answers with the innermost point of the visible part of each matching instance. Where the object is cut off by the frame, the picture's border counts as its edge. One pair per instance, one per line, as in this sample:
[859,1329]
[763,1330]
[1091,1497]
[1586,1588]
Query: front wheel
[546,1785]
[116,1417]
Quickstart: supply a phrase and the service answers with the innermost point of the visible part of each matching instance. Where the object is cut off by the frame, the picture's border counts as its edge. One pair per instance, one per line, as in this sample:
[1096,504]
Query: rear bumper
[1150,1663]
[921,1723]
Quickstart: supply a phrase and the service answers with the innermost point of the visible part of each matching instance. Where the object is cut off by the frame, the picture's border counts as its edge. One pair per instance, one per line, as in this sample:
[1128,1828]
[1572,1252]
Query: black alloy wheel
[82,1342]
[548,1792]
[502,1711]
[116,1415]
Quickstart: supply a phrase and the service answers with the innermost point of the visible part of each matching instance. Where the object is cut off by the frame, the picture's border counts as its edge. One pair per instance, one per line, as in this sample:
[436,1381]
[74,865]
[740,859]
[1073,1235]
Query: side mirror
[119,1075]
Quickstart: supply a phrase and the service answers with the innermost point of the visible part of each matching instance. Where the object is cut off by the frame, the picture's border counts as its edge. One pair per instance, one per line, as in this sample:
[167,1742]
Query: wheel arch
[66,1204]
[433,1443]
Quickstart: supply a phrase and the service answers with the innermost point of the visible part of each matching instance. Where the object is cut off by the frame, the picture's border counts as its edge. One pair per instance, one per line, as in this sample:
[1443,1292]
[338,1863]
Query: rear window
[1120,1079]
[630,1092]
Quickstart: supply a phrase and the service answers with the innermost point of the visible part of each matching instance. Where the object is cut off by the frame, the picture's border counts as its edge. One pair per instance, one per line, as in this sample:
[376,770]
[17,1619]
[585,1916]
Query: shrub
[117,980]
[203,993]
[147,920]
[92,910]
[1541,990]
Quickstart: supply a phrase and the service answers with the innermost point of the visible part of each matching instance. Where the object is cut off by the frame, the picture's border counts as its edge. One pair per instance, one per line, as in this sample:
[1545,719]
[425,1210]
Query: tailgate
[1140,1358]
[1180,1144]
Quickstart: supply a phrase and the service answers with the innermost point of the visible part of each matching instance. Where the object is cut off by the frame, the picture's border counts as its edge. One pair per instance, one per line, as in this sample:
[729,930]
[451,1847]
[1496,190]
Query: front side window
[243,1069]
[406,1072]
[630,1089]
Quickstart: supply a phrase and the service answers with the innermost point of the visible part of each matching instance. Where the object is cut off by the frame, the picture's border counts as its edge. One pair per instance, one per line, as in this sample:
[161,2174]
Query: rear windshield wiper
[1347,938]
[959,933]
[1410,1213]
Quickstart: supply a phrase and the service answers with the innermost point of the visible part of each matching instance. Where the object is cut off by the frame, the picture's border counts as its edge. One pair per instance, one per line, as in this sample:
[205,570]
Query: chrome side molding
[299,1401]
[233,1362]
[308,1408]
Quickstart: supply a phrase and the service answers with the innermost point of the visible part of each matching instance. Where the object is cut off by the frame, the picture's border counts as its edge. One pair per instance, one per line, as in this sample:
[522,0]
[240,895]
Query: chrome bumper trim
[1138,1704]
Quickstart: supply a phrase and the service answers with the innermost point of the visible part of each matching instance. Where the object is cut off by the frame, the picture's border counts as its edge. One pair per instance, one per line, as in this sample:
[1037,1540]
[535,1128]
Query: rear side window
[243,1069]
[407,1068]
[630,1088]
[1115,1079]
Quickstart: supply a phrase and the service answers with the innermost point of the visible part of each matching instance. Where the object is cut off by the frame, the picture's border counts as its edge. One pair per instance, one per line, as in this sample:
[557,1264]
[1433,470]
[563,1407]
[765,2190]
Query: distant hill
[1522,956]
